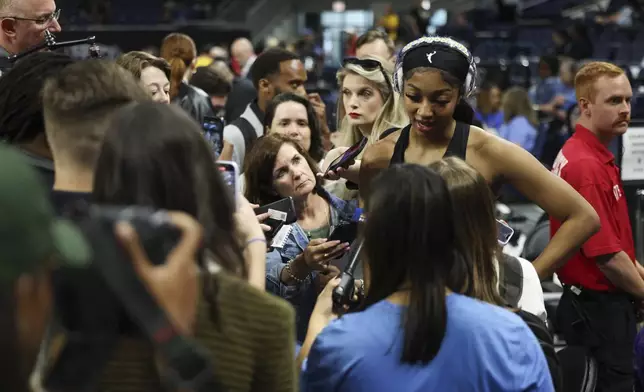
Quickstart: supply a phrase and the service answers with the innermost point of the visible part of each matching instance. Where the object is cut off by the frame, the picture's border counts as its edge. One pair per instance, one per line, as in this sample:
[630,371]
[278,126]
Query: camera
[344,294]
[97,305]
[155,230]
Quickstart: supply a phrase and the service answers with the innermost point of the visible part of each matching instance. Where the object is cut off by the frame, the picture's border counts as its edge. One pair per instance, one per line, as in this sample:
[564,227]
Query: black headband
[439,57]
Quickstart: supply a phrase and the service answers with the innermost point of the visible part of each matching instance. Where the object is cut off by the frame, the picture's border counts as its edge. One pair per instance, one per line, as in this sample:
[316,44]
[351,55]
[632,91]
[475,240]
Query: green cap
[30,232]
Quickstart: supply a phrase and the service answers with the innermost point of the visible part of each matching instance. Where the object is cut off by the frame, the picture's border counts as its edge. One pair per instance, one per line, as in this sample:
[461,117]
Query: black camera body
[87,307]
[344,295]
[155,230]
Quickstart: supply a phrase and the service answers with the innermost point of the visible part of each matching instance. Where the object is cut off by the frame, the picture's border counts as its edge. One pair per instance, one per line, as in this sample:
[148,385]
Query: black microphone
[343,293]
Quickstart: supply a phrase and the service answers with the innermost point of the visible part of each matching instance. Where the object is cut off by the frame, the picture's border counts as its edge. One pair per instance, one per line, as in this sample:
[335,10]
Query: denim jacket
[303,295]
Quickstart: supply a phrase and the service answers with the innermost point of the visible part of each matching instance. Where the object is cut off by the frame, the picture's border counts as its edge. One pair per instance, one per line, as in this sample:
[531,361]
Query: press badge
[280,238]
[277,215]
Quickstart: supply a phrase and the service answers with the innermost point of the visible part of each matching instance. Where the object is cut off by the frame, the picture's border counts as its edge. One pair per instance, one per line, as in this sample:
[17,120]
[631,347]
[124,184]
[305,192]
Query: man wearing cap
[23,24]
[33,242]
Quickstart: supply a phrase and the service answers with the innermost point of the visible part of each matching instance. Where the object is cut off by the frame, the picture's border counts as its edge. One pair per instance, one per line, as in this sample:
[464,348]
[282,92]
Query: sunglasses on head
[367,65]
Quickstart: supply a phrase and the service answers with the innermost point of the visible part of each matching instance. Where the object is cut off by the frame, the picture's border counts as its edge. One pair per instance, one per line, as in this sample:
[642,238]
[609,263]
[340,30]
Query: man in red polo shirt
[602,279]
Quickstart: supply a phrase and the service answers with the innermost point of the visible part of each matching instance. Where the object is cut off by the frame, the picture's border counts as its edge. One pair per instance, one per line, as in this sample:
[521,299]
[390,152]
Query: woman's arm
[226,152]
[554,195]
[375,158]
[251,239]
[279,281]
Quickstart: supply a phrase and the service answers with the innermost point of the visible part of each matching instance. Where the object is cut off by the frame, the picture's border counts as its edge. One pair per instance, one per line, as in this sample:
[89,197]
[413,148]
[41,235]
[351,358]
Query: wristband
[253,240]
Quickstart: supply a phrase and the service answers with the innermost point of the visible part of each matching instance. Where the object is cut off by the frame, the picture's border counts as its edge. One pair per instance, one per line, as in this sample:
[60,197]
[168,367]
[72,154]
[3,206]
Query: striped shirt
[252,344]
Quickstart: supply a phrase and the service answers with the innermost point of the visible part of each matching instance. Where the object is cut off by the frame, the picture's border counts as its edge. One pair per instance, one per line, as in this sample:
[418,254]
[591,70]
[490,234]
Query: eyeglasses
[367,65]
[43,20]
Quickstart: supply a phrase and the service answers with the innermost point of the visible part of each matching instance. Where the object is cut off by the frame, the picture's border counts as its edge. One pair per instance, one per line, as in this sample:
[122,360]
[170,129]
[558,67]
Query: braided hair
[21,110]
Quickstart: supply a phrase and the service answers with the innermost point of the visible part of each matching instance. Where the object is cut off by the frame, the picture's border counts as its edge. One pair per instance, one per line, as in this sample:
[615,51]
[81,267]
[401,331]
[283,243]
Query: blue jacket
[303,295]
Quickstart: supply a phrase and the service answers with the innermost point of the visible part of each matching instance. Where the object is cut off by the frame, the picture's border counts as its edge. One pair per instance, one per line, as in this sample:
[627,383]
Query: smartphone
[345,159]
[280,213]
[505,232]
[344,233]
[213,130]
[282,210]
[230,173]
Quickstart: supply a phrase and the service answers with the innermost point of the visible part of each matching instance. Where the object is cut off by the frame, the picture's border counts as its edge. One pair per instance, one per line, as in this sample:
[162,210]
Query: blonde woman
[367,107]
[520,119]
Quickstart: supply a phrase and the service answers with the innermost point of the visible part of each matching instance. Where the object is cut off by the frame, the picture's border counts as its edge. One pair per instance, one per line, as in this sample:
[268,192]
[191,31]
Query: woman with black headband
[435,76]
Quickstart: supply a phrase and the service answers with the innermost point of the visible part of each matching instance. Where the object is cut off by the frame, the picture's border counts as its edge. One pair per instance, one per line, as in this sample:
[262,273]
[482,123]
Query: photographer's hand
[175,283]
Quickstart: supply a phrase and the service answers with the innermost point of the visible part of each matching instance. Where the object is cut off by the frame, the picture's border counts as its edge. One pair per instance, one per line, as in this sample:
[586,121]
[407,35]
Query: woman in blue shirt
[488,107]
[521,121]
[418,331]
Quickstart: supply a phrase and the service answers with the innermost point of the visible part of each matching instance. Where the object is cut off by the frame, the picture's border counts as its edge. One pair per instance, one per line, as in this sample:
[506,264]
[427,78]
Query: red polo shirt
[589,167]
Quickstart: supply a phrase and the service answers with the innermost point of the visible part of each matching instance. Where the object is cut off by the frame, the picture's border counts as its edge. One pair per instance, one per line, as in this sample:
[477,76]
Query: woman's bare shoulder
[479,137]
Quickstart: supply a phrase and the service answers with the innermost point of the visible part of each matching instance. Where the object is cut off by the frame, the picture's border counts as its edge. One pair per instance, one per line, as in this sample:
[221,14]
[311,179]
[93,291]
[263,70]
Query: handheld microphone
[343,294]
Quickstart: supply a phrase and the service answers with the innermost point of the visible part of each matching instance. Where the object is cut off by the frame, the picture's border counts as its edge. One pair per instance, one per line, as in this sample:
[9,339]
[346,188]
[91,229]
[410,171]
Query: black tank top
[457,147]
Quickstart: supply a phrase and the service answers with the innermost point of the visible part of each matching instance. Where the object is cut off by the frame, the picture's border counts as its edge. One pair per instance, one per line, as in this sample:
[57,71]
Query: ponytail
[463,112]
[177,71]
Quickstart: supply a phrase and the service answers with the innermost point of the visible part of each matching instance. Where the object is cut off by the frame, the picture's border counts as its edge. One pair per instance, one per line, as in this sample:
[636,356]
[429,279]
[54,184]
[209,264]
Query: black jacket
[194,101]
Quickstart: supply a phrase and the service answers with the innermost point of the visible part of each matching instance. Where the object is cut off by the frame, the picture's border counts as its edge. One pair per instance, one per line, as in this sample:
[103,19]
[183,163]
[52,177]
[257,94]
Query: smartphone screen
[230,174]
[213,130]
[505,232]
[348,155]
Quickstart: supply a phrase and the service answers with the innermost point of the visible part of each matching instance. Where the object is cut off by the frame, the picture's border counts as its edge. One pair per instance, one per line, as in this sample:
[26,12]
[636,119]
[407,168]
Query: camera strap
[188,365]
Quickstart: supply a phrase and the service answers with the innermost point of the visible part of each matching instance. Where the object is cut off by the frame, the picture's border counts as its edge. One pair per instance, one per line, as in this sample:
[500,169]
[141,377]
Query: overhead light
[338,6]
[426,5]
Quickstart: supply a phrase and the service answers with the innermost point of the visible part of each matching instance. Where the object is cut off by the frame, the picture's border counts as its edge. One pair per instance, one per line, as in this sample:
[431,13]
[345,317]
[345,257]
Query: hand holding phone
[505,232]
[348,158]
[277,214]
[230,173]
[345,232]
[320,252]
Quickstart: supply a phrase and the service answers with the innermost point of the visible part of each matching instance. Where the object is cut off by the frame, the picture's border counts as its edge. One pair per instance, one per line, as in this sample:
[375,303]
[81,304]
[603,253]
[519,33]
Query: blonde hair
[392,114]
[516,102]
[589,74]
[476,233]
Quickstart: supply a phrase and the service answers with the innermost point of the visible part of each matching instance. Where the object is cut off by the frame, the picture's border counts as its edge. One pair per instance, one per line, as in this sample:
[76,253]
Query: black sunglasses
[367,65]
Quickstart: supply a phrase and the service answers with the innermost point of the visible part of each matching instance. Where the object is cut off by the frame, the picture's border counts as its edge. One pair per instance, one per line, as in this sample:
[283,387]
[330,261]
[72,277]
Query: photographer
[25,270]
[167,164]
[424,332]
[23,25]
